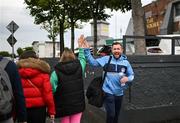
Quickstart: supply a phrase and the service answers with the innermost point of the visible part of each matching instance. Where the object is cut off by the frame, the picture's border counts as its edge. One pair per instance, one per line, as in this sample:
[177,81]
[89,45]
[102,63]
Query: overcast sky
[28,32]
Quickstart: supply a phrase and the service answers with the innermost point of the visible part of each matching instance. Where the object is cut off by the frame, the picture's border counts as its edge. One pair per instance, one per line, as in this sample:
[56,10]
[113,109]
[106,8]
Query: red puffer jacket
[36,83]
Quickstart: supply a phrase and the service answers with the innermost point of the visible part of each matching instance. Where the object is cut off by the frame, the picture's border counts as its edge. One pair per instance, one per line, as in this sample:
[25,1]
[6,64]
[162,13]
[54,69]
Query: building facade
[102,33]
[163,17]
[45,49]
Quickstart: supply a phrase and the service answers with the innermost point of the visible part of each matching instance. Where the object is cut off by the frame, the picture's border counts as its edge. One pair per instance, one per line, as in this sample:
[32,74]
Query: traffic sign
[11,40]
[12,26]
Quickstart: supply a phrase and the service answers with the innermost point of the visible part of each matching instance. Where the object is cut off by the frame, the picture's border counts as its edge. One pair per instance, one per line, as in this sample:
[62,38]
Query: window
[57,46]
[177,9]
[152,42]
[177,42]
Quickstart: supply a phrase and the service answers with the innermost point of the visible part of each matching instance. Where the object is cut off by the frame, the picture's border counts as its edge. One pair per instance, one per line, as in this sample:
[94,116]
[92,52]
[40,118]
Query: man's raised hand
[81,41]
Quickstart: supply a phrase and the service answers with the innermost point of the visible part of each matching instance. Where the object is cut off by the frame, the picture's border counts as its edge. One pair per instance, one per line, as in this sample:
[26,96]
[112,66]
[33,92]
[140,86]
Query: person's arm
[48,95]
[90,58]
[82,59]
[54,81]
[98,62]
[82,43]
[130,73]
[19,98]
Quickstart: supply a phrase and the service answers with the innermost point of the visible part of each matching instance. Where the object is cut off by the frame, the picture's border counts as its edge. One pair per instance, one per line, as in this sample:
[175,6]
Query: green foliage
[97,9]
[28,48]
[123,5]
[77,10]
[4,54]
[51,14]
[20,51]
[52,27]
[59,15]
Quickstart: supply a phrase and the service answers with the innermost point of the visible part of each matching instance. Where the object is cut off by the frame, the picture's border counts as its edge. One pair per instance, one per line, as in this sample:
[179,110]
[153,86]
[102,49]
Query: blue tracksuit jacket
[117,68]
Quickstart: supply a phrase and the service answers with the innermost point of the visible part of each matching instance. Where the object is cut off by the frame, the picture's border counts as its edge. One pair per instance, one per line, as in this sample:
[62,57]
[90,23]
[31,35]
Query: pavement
[90,115]
[97,115]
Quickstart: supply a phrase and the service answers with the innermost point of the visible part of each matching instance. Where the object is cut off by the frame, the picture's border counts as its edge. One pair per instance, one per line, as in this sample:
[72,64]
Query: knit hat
[28,54]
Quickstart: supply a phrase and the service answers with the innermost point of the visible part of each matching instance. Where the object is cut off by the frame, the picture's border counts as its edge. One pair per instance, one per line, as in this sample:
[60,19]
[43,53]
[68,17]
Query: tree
[28,48]
[97,9]
[123,5]
[45,18]
[72,11]
[20,51]
[138,20]
[76,10]
[47,11]
[4,53]
[52,27]
[139,26]
[60,10]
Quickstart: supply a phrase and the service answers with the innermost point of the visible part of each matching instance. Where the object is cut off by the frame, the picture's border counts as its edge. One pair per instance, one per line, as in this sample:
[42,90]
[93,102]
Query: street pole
[12,27]
[13,42]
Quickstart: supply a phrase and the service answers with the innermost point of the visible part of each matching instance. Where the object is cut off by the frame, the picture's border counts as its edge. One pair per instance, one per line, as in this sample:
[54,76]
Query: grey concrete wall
[155,91]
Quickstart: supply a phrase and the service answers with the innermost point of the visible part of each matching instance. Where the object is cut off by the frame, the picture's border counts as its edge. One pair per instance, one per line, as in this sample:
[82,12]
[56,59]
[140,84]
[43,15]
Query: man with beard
[119,74]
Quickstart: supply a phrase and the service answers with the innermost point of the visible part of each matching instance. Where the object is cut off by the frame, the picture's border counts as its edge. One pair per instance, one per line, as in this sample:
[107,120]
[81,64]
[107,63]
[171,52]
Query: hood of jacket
[36,64]
[68,67]
[123,57]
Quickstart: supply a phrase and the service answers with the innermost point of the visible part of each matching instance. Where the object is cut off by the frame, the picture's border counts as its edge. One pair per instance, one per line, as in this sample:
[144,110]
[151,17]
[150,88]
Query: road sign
[12,27]
[11,40]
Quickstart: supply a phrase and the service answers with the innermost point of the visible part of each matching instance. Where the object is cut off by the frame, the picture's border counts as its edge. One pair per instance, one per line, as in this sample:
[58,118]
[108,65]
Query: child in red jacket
[37,88]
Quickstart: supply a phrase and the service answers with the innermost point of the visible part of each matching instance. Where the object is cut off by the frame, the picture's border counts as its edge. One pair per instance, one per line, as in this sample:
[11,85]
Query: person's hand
[85,44]
[52,117]
[124,79]
[81,41]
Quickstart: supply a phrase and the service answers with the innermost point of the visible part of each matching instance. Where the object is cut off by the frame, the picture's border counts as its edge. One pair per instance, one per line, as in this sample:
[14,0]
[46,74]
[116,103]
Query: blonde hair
[67,55]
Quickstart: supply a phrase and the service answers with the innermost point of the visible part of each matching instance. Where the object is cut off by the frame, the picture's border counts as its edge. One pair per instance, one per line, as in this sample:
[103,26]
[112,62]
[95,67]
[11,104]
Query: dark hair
[28,54]
[117,43]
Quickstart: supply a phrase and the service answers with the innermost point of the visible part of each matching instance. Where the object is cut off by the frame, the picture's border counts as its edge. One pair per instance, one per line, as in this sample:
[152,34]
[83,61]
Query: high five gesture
[82,43]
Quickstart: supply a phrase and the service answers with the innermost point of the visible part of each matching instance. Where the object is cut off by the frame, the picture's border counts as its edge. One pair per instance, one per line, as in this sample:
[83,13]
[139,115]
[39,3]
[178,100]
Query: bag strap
[106,69]
[33,85]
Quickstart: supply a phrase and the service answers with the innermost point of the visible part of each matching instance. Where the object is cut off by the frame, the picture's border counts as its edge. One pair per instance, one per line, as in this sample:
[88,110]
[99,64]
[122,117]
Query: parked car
[155,50]
[104,50]
[166,44]
[158,46]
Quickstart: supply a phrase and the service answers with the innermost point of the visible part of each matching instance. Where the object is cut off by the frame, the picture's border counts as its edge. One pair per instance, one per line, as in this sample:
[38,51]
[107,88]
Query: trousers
[112,106]
[36,115]
[75,118]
